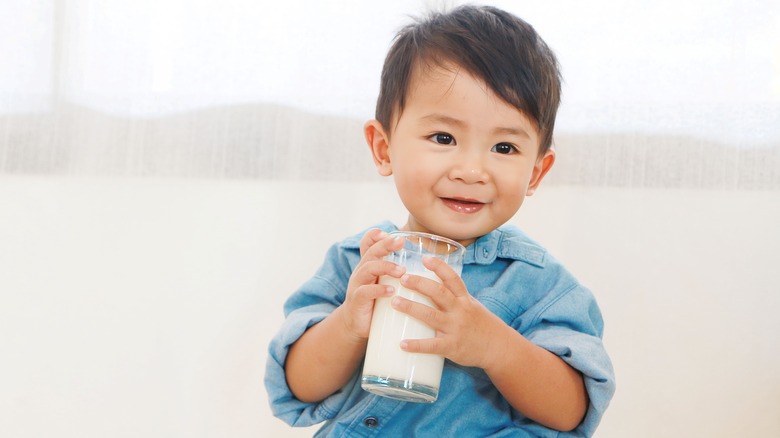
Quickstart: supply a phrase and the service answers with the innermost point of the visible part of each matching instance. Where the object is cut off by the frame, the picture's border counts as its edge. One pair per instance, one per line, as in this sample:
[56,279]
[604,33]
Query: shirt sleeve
[314,301]
[571,327]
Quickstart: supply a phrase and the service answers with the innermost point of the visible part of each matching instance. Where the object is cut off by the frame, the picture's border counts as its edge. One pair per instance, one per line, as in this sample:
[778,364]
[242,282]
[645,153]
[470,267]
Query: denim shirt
[514,278]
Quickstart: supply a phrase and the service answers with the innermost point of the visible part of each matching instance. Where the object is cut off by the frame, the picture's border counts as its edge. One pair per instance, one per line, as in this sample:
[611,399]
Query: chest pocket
[500,303]
[518,288]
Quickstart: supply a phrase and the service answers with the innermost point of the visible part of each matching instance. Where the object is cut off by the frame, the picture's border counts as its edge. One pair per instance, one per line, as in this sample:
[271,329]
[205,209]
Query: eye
[442,138]
[504,148]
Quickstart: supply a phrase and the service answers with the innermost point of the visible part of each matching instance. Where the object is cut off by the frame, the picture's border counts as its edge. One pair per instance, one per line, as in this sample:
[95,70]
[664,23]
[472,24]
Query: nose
[469,169]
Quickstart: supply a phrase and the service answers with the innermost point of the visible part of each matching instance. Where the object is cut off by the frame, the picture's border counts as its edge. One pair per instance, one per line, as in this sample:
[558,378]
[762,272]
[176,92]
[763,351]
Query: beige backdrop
[142,307]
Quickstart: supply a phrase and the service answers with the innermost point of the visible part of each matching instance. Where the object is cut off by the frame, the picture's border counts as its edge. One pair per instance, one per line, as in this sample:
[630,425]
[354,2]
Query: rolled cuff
[586,354]
[283,403]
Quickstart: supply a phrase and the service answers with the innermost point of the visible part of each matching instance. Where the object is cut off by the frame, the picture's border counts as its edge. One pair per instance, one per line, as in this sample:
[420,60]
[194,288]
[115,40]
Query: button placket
[373,418]
[485,254]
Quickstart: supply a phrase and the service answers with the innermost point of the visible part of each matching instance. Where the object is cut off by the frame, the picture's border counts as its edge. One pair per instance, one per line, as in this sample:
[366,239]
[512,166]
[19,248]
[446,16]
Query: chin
[459,235]
[457,230]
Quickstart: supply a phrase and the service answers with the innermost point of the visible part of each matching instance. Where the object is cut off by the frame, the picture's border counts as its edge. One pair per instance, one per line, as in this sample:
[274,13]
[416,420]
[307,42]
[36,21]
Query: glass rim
[435,237]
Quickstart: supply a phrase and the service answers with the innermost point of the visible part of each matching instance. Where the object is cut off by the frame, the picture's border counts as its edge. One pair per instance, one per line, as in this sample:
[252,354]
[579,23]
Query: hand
[465,329]
[362,288]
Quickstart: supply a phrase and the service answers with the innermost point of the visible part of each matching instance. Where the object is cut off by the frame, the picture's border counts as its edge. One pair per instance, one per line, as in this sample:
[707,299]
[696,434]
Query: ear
[542,166]
[378,142]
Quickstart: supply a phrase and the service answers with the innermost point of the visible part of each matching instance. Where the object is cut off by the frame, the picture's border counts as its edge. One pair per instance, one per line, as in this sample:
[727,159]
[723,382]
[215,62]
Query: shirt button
[371,422]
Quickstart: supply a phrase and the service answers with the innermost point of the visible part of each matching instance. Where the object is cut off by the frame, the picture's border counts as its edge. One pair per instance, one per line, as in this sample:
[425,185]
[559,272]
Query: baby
[464,125]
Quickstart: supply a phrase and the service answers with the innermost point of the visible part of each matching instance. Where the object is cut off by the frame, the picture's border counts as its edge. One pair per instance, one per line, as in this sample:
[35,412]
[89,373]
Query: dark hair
[492,45]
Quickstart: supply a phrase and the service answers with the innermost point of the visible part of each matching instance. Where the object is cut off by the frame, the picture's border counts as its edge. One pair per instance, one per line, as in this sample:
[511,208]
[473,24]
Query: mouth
[463,205]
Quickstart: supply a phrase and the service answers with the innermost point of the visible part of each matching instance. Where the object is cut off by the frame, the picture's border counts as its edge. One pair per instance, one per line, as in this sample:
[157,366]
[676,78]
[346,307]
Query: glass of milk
[388,370]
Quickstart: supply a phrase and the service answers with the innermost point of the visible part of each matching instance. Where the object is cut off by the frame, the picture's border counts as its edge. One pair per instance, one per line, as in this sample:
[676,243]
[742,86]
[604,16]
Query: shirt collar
[507,242]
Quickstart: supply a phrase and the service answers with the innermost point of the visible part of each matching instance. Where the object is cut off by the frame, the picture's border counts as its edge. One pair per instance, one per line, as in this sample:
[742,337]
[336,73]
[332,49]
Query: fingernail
[389,290]
[404,345]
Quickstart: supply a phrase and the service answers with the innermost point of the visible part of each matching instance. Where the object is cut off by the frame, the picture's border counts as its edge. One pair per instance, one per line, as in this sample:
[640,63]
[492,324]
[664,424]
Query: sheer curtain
[162,161]
[657,94]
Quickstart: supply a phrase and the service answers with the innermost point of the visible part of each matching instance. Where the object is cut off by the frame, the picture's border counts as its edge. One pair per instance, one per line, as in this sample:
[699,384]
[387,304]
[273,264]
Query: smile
[466,206]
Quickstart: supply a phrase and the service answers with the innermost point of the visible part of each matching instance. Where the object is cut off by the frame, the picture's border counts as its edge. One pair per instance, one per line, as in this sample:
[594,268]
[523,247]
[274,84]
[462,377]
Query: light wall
[143,307]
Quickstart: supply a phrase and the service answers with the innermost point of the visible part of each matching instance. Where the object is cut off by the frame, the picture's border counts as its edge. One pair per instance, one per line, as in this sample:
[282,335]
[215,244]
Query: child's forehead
[448,92]
[439,78]
[434,70]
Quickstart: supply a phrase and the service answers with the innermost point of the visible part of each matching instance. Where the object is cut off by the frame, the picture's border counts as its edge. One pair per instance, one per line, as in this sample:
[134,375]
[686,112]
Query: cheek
[408,181]
[410,184]
[414,171]
[512,191]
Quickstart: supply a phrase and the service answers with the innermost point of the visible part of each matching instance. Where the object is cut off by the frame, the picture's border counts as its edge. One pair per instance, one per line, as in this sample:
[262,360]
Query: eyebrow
[460,124]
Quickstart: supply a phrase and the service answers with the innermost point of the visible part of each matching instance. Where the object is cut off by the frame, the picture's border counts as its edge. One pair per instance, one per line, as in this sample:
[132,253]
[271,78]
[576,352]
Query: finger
[369,272]
[449,278]
[426,346]
[432,289]
[369,292]
[384,246]
[371,237]
[419,311]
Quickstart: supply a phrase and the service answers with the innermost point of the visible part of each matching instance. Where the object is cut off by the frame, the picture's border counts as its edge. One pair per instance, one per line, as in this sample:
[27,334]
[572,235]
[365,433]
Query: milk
[390,371]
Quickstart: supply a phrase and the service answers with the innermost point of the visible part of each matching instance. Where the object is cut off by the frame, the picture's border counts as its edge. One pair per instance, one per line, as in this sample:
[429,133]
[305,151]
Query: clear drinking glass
[389,371]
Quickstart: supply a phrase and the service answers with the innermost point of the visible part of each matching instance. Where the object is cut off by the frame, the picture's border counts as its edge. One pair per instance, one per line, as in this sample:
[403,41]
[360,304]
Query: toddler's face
[462,158]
